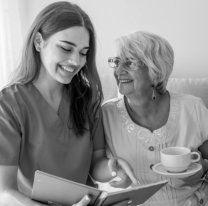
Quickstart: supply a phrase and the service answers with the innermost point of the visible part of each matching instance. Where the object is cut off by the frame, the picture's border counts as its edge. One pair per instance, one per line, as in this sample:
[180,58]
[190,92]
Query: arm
[103,169]
[100,167]
[200,196]
[10,138]
[9,194]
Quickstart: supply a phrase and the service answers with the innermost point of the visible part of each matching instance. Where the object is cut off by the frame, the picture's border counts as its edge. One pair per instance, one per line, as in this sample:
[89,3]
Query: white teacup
[178,159]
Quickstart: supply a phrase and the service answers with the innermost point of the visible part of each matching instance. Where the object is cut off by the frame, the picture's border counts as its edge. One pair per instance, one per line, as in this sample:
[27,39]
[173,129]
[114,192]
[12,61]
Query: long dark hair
[85,88]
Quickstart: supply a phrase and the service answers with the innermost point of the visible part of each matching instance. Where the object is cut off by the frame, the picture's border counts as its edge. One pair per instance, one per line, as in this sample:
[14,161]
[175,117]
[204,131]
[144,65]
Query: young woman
[50,112]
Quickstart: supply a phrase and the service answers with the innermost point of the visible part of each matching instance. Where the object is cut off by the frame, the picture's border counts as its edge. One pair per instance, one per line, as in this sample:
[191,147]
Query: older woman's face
[133,78]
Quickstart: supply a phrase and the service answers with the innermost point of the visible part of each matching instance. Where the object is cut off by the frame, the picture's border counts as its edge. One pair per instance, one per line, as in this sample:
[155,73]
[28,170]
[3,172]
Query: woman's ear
[38,41]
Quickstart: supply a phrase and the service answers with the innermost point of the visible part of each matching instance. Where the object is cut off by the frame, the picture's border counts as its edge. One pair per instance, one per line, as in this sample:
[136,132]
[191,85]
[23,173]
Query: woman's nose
[74,59]
[120,70]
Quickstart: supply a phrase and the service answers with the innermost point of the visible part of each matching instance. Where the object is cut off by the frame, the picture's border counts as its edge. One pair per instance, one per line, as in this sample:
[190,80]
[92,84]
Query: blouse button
[151,166]
[201,201]
[151,148]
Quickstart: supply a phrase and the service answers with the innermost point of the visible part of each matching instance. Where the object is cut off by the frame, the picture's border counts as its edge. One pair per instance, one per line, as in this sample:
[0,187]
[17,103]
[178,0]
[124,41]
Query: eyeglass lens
[116,62]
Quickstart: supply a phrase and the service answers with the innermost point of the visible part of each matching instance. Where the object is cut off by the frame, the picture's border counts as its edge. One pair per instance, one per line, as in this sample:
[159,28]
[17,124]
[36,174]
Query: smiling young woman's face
[64,54]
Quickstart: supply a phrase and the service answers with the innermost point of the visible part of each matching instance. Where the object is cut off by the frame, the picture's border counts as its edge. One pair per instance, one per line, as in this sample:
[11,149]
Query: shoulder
[12,90]
[14,98]
[11,93]
[111,103]
[185,98]
[187,101]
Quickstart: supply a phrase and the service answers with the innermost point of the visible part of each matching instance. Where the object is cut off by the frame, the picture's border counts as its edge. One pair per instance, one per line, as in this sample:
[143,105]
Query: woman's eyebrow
[73,44]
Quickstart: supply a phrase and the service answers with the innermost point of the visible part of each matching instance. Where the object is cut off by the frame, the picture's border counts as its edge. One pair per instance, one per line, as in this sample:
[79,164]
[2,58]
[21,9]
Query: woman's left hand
[193,179]
[124,173]
[188,181]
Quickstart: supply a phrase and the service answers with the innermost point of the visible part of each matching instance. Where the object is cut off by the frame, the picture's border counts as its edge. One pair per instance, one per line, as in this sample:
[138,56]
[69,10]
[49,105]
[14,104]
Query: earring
[153,93]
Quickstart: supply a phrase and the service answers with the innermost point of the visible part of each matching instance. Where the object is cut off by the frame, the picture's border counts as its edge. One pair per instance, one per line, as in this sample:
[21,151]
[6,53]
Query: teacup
[178,159]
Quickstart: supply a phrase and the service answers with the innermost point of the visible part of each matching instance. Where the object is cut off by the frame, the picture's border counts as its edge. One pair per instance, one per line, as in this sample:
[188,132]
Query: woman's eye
[83,54]
[128,63]
[65,49]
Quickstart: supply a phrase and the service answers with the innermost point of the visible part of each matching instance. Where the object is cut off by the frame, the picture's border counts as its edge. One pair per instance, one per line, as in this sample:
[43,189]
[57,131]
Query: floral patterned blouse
[187,125]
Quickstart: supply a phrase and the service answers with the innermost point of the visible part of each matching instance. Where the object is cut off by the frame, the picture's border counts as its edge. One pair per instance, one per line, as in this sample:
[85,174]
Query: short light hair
[154,51]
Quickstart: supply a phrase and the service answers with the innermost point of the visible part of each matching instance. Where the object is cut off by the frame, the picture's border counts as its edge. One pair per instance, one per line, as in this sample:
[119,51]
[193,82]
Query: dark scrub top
[35,137]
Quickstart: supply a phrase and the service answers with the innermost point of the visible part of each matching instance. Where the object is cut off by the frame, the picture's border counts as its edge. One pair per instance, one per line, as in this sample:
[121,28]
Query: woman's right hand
[123,171]
[86,200]
[83,202]
[122,203]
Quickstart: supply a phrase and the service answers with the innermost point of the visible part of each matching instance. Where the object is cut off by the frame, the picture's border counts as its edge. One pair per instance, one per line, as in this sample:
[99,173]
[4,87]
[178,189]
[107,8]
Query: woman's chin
[64,80]
[123,92]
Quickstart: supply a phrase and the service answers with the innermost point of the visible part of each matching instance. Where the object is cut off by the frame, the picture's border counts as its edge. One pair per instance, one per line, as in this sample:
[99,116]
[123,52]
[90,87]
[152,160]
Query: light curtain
[10,38]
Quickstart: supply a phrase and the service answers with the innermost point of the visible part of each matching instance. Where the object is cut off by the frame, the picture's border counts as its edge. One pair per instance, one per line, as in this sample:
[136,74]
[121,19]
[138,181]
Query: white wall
[184,23]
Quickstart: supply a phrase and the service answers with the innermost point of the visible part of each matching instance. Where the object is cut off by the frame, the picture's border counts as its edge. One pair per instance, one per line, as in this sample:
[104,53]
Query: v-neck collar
[63,108]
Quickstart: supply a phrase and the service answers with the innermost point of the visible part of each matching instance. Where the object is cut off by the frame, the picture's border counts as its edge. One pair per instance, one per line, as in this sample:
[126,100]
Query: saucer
[193,168]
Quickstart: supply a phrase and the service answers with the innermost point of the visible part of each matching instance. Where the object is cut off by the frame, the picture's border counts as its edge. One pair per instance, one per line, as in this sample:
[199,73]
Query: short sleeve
[98,133]
[10,136]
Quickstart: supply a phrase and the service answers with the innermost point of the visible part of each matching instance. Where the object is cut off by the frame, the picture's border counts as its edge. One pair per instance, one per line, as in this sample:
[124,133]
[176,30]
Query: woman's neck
[52,92]
[151,114]
[143,105]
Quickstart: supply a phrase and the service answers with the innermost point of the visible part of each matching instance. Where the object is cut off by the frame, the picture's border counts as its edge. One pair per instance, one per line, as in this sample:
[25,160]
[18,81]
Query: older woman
[148,118]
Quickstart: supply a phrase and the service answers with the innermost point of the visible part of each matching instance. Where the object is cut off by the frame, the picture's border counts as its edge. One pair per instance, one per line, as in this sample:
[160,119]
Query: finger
[122,180]
[128,170]
[122,203]
[112,164]
[84,201]
[120,184]
[204,162]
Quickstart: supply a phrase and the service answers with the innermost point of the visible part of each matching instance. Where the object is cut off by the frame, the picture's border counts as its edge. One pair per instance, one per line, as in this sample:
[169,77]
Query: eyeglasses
[130,64]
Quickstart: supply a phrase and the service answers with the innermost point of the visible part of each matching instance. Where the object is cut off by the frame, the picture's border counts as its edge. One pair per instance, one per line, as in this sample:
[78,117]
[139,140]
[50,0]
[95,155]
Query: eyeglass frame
[136,63]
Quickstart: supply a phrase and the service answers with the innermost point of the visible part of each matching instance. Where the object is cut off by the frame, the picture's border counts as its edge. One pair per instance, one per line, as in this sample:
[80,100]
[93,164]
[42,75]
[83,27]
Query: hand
[191,201]
[187,181]
[122,203]
[83,202]
[193,179]
[123,171]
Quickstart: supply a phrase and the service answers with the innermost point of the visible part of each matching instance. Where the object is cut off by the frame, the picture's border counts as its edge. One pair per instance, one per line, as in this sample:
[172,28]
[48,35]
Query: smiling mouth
[125,81]
[67,68]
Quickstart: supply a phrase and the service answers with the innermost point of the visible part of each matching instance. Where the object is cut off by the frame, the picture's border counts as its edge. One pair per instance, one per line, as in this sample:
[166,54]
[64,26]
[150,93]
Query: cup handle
[195,154]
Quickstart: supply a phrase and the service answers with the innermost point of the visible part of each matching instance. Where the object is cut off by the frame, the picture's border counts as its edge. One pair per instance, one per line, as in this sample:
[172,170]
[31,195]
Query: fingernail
[87,198]
[129,202]
[113,173]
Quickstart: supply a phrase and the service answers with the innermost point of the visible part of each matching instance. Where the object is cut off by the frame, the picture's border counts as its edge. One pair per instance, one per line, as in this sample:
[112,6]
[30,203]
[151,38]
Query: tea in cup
[178,159]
